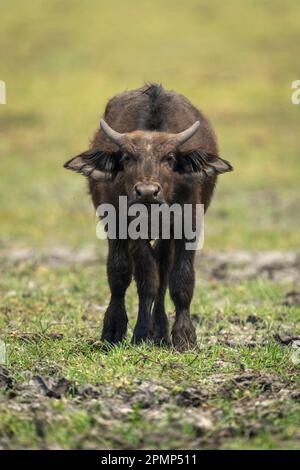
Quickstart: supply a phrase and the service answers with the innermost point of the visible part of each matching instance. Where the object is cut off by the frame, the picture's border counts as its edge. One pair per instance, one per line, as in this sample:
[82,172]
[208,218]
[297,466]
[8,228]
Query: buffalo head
[147,160]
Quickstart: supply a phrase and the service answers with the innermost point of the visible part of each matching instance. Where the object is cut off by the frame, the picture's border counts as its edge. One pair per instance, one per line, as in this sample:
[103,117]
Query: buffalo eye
[169,158]
[127,157]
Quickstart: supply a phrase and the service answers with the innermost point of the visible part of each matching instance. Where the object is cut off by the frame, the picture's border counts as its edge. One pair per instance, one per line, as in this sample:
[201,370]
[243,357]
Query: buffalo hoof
[163,341]
[112,338]
[160,337]
[114,333]
[140,335]
[184,334]
[160,329]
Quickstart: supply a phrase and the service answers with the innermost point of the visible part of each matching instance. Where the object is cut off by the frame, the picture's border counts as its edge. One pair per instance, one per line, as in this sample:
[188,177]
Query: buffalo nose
[147,192]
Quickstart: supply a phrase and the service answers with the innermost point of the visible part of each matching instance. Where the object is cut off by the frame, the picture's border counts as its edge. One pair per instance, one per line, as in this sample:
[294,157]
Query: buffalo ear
[94,164]
[200,160]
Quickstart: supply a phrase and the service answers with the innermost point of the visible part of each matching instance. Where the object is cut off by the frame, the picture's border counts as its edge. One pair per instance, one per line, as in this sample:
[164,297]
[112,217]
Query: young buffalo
[154,147]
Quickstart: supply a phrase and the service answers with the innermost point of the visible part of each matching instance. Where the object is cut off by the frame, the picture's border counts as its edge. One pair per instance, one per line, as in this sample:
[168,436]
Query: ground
[238,389]
[61,61]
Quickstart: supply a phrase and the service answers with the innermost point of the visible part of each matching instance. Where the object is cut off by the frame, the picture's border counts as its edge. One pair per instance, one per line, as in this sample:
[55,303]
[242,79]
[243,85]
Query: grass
[73,306]
[61,61]
[50,320]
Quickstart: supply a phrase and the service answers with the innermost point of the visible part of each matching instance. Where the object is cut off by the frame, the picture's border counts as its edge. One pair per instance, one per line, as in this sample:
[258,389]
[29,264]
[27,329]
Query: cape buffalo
[154,147]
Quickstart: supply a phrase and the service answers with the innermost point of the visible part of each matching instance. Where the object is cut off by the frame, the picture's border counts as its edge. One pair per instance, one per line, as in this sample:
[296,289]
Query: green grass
[38,301]
[62,62]
[67,300]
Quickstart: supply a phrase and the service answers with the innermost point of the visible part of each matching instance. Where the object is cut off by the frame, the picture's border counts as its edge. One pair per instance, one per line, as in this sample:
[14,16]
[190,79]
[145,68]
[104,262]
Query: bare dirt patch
[165,409]
[232,266]
[244,265]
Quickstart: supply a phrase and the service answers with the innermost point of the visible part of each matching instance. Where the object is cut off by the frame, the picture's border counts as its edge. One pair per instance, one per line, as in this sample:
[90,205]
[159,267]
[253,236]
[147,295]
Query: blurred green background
[61,61]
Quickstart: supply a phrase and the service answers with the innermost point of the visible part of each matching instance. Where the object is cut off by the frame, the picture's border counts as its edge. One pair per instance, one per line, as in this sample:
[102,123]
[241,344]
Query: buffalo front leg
[146,277]
[160,324]
[182,281]
[119,272]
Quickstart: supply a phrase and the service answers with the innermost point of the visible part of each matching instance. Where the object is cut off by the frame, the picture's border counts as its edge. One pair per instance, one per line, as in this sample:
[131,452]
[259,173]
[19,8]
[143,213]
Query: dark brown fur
[149,117]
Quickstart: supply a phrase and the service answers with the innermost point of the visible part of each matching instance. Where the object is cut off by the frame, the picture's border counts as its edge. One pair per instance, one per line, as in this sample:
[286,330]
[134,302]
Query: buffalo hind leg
[119,272]
[160,324]
[146,277]
[182,281]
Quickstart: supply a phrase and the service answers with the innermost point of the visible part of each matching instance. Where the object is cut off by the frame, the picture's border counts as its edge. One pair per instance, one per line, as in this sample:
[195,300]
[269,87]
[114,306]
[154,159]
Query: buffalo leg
[182,281]
[146,276]
[119,272]
[160,323]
